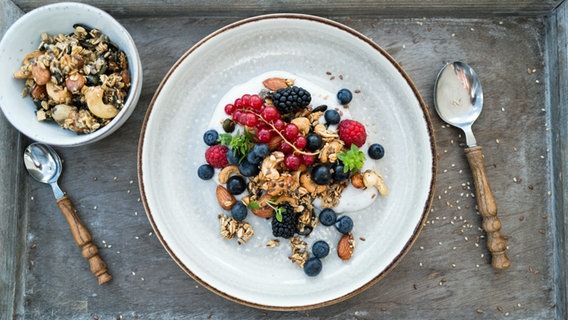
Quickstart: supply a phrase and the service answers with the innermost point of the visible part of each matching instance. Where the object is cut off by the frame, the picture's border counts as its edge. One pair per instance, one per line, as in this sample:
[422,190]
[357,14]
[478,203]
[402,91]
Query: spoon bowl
[43,163]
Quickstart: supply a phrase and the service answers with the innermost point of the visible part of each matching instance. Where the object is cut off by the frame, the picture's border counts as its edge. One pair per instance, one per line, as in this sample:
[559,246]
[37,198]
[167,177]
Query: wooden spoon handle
[84,240]
[488,209]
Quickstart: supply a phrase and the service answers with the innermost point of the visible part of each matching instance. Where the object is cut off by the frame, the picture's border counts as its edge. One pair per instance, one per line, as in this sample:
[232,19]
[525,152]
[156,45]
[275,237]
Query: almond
[264,212]
[345,246]
[274,83]
[225,198]
[274,143]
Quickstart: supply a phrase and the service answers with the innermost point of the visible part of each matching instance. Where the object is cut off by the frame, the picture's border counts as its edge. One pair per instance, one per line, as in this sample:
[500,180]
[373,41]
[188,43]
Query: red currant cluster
[266,124]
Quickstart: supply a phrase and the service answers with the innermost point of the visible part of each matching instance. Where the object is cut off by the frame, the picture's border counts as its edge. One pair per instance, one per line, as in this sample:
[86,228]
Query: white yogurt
[352,199]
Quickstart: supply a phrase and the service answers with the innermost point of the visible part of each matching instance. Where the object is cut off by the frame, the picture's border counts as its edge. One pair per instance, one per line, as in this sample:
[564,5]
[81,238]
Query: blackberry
[290,99]
[286,227]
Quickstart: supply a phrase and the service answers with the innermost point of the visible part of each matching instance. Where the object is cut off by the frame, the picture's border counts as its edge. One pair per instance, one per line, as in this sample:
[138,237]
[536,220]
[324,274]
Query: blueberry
[321,175]
[344,96]
[239,211]
[211,137]
[236,184]
[232,156]
[327,217]
[205,172]
[315,142]
[253,158]
[376,151]
[312,267]
[332,116]
[320,249]
[339,173]
[344,224]
[258,153]
[248,169]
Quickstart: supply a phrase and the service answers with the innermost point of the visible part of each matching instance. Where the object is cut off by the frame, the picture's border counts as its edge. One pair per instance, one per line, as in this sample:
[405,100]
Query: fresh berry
[339,173]
[217,156]
[284,225]
[301,142]
[232,156]
[352,132]
[313,267]
[246,100]
[239,211]
[256,102]
[253,158]
[270,114]
[264,135]
[291,131]
[211,137]
[238,104]
[229,125]
[205,172]
[320,249]
[251,120]
[314,142]
[230,108]
[258,153]
[286,148]
[331,116]
[292,161]
[308,159]
[344,224]
[344,96]
[321,175]
[236,184]
[279,124]
[327,217]
[237,115]
[376,151]
[290,99]
[248,169]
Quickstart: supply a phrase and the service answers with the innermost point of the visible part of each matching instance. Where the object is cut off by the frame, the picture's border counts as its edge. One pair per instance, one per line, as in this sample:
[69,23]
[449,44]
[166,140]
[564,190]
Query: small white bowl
[23,37]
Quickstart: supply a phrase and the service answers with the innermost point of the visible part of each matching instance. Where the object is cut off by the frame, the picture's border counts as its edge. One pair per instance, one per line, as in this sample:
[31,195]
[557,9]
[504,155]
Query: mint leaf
[225,138]
[239,143]
[353,159]
[254,205]
[279,211]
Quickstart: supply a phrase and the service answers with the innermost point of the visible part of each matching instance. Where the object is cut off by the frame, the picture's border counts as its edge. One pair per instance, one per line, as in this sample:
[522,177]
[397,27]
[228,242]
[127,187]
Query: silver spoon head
[458,96]
[42,162]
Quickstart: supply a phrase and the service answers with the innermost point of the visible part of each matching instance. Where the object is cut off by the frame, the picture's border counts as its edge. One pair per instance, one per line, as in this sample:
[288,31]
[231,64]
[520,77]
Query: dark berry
[315,142]
[253,158]
[261,150]
[312,267]
[248,169]
[331,116]
[229,125]
[233,156]
[320,249]
[239,211]
[344,224]
[339,173]
[290,99]
[376,151]
[321,175]
[284,225]
[327,217]
[205,171]
[211,137]
[236,184]
[344,96]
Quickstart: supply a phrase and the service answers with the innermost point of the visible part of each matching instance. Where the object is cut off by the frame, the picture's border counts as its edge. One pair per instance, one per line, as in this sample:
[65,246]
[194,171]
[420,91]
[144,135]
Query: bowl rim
[135,66]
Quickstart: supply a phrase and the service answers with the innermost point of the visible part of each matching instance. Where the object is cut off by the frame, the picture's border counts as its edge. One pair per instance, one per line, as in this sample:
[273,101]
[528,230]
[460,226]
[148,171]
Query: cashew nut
[268,168]
[227,172]
[61,112]
[372,178]
[330,150]
[56,93]
[312,187]
[303,124]
[324,133]
[94,98]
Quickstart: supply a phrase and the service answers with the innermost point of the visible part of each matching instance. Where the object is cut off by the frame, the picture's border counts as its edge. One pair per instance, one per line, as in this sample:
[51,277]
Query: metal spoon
[45,166]
[459,99]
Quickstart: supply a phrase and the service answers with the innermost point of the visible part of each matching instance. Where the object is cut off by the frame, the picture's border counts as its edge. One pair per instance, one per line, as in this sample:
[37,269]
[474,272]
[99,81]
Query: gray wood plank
[408,8]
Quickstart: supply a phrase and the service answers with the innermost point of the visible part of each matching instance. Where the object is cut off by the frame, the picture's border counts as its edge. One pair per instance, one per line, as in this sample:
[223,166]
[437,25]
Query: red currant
[264,135]
[246,100]
[256,102]
[308,159]
[251,120]
[238,103]
[243,118]
[286,148]
[291,131]
[279,124]
[270,114]
[292,161]
[301,142]
[237,115]
[229,109]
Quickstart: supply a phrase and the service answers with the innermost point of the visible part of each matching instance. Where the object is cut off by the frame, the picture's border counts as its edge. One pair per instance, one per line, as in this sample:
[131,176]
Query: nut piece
[227,172]
[303,125]
[225,198]
[372,178]
[56,93]
[357,181]
[274,83]
[75,82]
[41,75]
[94,98]
[345,247]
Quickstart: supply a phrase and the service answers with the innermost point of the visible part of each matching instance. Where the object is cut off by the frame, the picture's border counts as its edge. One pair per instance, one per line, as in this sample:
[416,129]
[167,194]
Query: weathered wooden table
[518,49]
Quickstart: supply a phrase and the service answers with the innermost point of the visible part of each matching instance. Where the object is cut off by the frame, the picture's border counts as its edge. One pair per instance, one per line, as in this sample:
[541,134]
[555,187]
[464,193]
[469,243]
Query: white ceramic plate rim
[152,207]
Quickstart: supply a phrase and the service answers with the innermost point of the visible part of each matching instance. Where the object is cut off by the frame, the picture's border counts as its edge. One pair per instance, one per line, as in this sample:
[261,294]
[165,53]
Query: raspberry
[216,156]
[352,132]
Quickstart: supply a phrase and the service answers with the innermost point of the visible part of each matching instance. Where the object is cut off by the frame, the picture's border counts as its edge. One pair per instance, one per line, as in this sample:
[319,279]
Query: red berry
[352,132]
[301,142]
[308,159]
[286,148]
[291,131]
[216,156]
[264,135]
[237,115]
[246,100]
[292,161]
[229,109]
[256,102]
[243,118]
[270,114]
[251,120]
[238,104]
[279,124]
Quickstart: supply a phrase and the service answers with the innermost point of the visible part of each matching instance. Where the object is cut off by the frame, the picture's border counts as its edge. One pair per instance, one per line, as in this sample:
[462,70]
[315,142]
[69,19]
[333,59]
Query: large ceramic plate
[183,209]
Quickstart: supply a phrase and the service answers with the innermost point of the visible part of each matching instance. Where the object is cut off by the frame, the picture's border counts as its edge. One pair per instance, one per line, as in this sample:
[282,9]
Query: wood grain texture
[408,8]
[447,274]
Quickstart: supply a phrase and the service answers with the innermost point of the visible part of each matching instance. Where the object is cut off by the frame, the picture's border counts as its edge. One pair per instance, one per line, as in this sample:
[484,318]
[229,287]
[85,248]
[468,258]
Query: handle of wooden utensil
[487,207]
[84,240]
